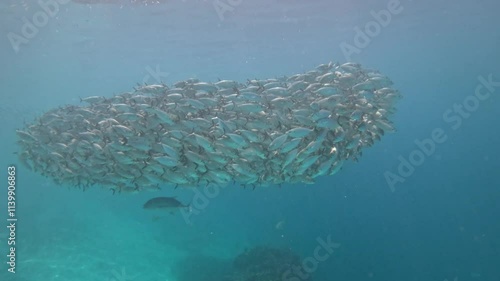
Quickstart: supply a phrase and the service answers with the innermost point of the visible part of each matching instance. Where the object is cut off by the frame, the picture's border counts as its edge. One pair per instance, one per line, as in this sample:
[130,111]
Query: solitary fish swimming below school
[168,203]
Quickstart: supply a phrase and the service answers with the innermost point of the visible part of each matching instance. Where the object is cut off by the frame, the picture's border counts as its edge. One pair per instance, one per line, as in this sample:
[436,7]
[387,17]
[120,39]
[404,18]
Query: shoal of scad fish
[262,132]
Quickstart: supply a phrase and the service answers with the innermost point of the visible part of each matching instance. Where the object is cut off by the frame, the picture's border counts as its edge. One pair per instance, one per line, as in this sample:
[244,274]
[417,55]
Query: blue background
[440,223]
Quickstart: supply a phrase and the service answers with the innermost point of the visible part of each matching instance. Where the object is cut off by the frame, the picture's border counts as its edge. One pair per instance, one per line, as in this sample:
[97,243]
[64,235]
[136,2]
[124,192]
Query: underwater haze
[421,204]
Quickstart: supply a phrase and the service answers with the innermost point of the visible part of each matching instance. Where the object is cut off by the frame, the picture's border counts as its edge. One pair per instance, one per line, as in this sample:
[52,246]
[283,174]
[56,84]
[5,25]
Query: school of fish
[262,132]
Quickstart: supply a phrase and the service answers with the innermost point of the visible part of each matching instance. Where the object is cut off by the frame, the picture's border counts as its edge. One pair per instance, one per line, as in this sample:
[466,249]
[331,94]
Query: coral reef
[264,263]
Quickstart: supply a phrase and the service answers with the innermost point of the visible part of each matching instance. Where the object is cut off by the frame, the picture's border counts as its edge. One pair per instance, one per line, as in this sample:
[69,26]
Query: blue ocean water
[438,222]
